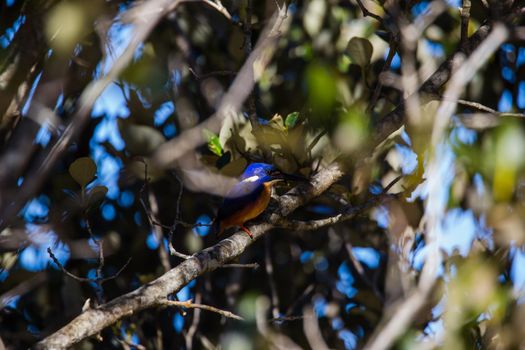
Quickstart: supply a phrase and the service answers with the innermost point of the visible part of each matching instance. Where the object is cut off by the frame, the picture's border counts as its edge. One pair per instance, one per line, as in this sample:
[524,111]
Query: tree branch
[188,304]
[92,321]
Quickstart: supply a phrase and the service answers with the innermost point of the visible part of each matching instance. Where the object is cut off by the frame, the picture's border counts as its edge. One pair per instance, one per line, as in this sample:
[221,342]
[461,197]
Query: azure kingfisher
[249,197]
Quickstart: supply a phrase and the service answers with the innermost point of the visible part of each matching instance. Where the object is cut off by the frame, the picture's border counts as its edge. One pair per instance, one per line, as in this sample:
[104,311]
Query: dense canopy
[124,123]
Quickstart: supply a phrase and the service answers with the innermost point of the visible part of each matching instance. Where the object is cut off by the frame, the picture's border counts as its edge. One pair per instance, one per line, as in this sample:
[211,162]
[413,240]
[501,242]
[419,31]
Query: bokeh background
[335,74]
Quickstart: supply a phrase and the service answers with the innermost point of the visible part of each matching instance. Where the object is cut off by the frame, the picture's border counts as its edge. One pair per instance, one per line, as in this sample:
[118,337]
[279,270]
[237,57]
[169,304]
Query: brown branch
[388,62]
[190,305]
[92,321]
[348,213]
[395,119]
[465,17]
[274,297]
[368,13]
[484,108]
[401,317]
[84,279]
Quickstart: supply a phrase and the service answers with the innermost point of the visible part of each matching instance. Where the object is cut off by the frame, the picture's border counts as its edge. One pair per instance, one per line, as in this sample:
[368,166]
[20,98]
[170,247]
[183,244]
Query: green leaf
[97,194]
[214,144]
[360,51]
[83,170]
[291,120]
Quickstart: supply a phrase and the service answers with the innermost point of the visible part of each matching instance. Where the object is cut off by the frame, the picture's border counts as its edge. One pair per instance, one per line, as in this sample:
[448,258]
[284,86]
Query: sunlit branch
[398,321]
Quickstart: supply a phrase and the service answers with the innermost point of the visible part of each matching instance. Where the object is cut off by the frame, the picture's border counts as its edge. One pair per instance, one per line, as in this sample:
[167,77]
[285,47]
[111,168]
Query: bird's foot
[247,231]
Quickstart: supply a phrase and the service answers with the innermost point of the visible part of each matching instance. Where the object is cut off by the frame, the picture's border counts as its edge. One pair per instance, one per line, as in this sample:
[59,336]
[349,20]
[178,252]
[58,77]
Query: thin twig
[361,271]
[397,322]
[84,279]
[217,5]
[254,266]
[271,280]
[205,76]
[188,304]
[99,290]
[484,108]
[465,17]
[377,91]
[368,13]
[348,213]
[188,337]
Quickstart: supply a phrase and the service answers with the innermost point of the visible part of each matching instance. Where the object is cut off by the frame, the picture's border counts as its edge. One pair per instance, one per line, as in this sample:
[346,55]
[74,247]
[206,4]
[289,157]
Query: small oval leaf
[97,194]
[360,51]
[83,170]
[214,144]
[291,120]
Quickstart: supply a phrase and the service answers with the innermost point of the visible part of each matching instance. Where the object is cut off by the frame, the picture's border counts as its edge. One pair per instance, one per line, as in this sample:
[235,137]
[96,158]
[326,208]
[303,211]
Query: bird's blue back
[241,195]
[247,191]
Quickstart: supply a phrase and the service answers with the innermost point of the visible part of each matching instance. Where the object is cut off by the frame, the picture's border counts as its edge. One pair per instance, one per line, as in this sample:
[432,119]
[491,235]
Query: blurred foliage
[316,103]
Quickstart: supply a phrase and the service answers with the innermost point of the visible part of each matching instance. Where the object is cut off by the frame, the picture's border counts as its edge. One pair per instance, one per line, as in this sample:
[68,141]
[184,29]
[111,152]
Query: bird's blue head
[260,172]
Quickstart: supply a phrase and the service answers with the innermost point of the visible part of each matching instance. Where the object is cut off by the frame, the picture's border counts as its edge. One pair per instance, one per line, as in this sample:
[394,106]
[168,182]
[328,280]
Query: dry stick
[393,326]
[101,261]
[217,5]
[484,108]
[465,17]
[377,91]
[361,271]
[188,337]
[150,14]
[84,279]
[274,297]
[163,254]
[348,213]
[275,340]
[368,13]
[188,304]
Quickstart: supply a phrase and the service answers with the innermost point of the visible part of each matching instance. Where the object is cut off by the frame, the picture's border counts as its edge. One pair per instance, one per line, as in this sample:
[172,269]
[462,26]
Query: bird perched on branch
[249,197]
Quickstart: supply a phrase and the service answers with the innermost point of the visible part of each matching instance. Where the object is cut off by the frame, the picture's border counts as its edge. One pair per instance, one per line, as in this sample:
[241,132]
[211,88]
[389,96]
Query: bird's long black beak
[278,175]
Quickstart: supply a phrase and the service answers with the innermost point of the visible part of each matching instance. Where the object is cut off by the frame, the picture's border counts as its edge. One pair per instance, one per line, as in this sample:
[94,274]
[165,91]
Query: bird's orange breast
[251,210]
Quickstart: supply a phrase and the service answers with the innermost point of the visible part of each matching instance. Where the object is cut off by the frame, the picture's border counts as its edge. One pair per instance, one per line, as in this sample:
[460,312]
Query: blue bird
[249,197]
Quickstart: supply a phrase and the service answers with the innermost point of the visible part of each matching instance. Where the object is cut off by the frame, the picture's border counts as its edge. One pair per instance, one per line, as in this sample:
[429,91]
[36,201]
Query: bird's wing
[241,195]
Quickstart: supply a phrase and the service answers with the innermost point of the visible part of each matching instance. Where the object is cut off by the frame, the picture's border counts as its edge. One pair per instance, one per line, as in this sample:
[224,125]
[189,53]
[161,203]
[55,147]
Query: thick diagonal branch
[93,321]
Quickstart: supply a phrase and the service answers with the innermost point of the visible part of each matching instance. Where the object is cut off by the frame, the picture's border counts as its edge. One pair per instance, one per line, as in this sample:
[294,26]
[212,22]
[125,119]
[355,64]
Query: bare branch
[92,321]
[312,331]
[368,13]
[188,304]
[465,17]
[401,317]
